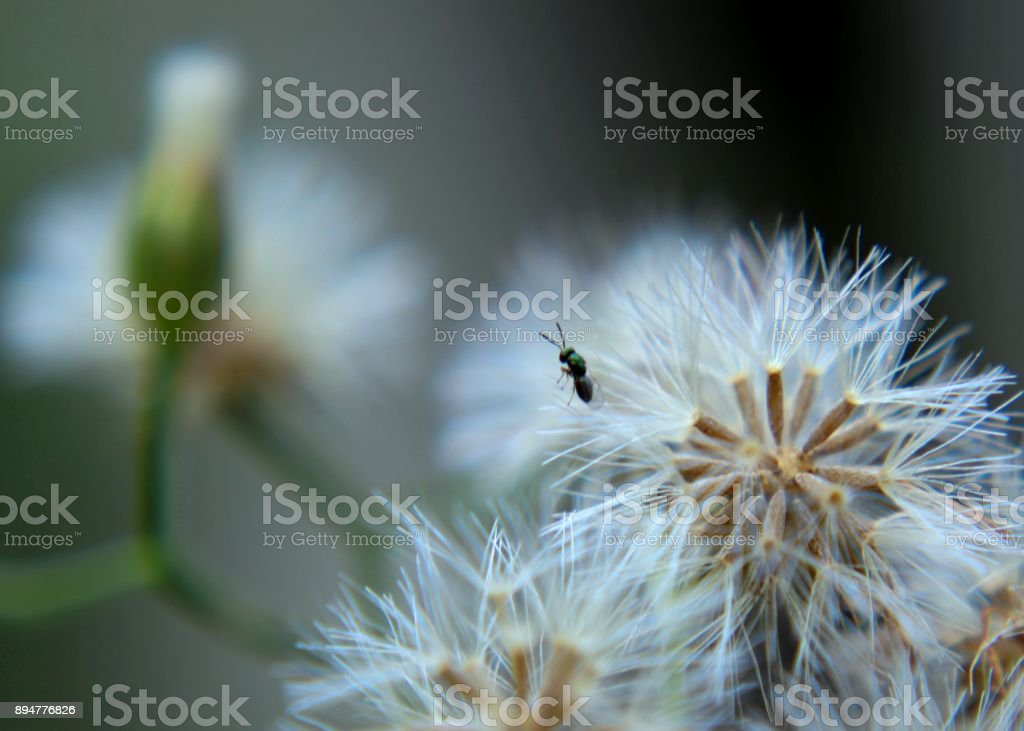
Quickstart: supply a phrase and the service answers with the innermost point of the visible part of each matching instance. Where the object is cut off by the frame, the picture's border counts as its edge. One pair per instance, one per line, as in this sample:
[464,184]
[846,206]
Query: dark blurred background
[511,147]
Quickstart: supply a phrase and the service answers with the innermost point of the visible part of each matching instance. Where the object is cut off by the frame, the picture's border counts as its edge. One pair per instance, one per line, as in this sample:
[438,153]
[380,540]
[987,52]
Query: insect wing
[585,389]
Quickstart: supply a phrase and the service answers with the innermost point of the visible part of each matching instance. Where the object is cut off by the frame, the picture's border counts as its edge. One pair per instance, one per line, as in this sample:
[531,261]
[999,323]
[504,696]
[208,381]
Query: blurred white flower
[508,613]
[70,236]
[328,299]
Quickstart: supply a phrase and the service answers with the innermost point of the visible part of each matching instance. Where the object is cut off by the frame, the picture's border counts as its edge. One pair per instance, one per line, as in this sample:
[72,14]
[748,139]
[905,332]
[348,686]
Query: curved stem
[35,590]
[175,580]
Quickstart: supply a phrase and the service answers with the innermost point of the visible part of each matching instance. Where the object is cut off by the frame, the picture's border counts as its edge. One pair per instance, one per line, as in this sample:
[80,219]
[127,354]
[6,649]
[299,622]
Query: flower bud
[178,227]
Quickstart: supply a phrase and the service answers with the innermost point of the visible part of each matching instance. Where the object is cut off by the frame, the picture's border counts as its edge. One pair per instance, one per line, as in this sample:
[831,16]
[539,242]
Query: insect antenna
[561,337]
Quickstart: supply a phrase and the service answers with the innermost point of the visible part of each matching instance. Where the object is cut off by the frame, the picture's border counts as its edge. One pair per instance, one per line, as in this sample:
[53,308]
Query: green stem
[41,589]
[177,582]
[38,589]
[153,438]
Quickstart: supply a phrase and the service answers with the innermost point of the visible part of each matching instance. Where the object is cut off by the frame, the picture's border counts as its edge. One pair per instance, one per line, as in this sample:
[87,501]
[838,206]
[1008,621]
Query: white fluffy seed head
[847,447]
[519,615]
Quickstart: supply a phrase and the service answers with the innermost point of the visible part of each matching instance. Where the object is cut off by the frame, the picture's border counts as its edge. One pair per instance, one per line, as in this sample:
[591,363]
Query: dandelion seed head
[520,613]
[829,425]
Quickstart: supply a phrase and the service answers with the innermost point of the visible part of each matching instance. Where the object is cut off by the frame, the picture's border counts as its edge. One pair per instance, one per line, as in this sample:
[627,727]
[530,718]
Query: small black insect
[573,366]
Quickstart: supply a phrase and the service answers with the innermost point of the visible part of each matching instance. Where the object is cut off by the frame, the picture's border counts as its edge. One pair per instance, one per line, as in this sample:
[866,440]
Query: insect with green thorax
[573,366]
